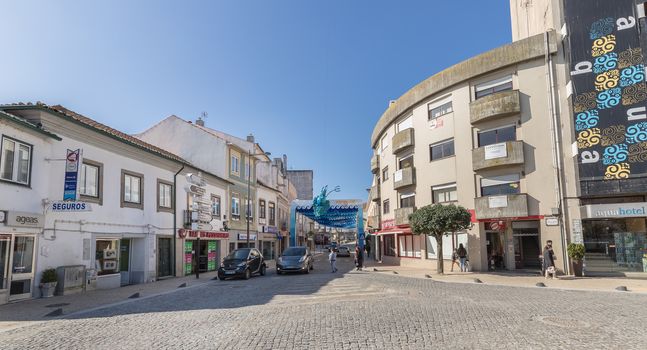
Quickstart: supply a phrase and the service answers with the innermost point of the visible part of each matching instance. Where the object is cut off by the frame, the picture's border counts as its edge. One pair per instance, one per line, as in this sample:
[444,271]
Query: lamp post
[248,210]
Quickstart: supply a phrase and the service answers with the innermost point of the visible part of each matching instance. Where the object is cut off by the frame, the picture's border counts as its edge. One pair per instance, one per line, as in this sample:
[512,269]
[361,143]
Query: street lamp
[248,210]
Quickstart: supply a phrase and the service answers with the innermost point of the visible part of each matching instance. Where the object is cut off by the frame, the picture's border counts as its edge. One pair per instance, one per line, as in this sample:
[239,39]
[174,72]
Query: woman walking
[359,258]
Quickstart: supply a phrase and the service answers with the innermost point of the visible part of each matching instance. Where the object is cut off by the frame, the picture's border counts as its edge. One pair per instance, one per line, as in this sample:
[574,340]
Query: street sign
[194,189]
[201,226]
[552,221]
[72,161]
[195,179]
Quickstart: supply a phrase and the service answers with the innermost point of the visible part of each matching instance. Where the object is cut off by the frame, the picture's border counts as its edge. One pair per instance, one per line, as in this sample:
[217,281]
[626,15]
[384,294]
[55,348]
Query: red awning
[394,230]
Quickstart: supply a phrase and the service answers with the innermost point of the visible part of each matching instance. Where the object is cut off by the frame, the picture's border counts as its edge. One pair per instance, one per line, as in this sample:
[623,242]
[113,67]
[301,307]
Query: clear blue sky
[307,78]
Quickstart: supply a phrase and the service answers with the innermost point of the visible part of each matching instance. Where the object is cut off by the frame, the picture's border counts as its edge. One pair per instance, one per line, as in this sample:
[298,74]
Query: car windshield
[294,252]
[343,248]
[239,254]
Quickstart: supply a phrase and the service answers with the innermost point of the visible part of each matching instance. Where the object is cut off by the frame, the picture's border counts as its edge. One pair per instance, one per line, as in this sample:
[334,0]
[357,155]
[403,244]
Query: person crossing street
[332,257]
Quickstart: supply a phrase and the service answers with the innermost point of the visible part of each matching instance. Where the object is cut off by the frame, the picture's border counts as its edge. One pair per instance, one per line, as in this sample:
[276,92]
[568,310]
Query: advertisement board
[609,92]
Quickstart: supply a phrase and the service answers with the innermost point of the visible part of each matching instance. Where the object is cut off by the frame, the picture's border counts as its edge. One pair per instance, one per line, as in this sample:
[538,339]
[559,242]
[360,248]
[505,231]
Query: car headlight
[241,264]
[303,258]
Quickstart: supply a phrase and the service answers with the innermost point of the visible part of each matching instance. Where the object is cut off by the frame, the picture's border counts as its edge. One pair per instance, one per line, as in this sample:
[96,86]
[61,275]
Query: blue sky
[307,78]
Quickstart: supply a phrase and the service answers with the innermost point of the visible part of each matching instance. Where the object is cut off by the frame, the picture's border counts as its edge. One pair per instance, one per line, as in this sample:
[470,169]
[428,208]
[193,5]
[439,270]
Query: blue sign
[72,160]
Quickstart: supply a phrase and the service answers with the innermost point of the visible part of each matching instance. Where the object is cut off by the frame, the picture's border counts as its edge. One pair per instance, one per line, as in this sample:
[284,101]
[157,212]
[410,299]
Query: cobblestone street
[350,310]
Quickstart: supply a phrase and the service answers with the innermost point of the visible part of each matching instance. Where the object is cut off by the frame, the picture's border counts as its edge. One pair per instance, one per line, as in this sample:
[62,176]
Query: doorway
[22,267]
[164,257]
[527,247]
[124,261]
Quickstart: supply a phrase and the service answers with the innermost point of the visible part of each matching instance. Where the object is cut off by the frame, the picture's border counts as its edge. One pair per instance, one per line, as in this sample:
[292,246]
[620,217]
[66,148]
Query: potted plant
[576,253]
[48,282]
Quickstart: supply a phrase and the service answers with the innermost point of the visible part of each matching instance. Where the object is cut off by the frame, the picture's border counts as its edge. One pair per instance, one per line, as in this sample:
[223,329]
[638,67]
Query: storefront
[239,240]
[202,251]
[164,257]
[614,238]
[18,240]
[268,242]
[513,243]
[120,259]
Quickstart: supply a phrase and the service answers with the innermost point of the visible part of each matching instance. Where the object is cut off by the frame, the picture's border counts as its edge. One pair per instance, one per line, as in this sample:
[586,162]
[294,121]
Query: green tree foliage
[436,220]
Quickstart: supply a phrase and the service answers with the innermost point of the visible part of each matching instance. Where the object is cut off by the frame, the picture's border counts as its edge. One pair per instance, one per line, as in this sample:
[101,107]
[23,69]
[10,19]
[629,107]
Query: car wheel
[248,274]
[222,278]
[263,270]
[312,267]
[279,272]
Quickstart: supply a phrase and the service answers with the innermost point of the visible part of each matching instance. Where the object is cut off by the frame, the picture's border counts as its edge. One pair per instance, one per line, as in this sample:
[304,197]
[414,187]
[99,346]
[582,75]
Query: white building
[133,189]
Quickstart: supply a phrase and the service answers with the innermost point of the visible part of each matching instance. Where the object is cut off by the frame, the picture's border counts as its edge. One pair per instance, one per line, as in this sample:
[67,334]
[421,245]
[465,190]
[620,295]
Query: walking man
[359,258]
[462,256]
[332,257]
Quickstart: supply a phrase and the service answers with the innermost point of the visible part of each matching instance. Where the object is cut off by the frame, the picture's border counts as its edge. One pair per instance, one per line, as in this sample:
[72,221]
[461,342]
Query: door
[203,256]
[164,257]
[124,261]
[22,267]
[256,260]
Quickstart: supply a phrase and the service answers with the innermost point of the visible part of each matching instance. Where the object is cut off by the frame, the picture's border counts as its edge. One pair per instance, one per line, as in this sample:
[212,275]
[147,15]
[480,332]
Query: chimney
[285,162]
[250,138]
[199,122]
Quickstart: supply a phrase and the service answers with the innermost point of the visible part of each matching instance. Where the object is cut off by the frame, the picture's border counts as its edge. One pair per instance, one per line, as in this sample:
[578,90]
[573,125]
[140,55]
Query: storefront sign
[552,221]
[202,234]
[619,210]
[243,236]
[72,161]
[269,236]
[20,219]
[497,150]
[388,223]
[497,201]
[70,206]
[271,229]
[607,74]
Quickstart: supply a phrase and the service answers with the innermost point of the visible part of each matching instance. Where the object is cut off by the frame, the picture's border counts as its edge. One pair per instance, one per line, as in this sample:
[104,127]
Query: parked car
[343,251]
[242,262]
[295,259]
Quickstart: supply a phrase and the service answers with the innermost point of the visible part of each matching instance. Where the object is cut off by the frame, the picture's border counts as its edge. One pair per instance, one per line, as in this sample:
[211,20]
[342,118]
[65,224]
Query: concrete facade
[303,182]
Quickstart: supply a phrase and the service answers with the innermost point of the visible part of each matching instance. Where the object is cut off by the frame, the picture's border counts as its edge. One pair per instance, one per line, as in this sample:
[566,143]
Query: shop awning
[394,230]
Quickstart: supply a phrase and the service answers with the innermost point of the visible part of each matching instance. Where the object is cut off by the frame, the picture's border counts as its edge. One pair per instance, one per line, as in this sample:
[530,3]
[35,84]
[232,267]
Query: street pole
[247,209]
[197,258]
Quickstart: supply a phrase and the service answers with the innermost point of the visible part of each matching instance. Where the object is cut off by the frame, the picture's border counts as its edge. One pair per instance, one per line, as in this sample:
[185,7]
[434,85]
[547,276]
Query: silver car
[343,251]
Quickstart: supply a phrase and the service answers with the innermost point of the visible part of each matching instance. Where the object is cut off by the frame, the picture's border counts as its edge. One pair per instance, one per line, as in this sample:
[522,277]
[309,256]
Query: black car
[242,263]
[295,259]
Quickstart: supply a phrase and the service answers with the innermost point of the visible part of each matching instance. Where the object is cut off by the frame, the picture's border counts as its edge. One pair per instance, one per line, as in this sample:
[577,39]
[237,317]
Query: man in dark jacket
[549,259]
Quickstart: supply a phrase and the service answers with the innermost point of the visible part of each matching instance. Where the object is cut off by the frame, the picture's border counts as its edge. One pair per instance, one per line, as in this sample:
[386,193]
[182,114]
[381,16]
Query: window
[107,256]
[261,209]
[441,150]
[384,142]
[432,247]
[406,246]
[444,194]
[493,86]
[389,245]
[406,162]
[215,206]
[235,164]
[272,208]
[15,164]
[385,174]
[405,124]
[132,190]
[490,137]
[164,196]
[408,200]
[249,211]
[385,206]
[499,185]
[90,181]
[235,206]
[247,171]
[439,111]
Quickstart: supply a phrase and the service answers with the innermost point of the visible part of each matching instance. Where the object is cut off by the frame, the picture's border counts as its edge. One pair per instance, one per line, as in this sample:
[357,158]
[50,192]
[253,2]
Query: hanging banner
[72,161]
[609,92]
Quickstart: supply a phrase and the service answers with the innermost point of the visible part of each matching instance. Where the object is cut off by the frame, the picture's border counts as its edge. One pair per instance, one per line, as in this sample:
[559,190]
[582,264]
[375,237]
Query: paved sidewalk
[515,279]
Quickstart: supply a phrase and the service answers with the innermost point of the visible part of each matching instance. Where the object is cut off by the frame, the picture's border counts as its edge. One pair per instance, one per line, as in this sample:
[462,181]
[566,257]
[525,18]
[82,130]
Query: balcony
[402,140]
[404,177]
[402,215]
[374,194]
[503,206]
[373,222]
[496,105]
[499,154]
[375,164]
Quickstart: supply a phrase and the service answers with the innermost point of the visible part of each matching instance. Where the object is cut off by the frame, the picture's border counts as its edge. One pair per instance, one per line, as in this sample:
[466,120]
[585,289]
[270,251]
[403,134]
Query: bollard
[540,284]
[428,276]
[476,280]
[622,288]
[136,295]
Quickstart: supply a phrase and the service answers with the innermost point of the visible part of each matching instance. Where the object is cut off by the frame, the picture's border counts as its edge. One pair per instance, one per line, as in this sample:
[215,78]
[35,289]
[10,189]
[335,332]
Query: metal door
[164,257]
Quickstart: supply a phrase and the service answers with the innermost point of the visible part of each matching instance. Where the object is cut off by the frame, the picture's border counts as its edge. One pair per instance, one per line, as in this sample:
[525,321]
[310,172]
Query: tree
[438,219]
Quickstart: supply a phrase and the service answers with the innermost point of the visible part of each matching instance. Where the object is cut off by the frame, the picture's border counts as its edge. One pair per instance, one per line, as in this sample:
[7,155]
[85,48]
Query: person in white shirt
[332,257]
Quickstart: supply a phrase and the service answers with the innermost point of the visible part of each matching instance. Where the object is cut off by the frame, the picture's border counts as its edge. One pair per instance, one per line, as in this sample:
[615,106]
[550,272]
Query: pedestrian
[549,260]
[359,258]
[454,260]
[368,251]
[332,257]
[462,256]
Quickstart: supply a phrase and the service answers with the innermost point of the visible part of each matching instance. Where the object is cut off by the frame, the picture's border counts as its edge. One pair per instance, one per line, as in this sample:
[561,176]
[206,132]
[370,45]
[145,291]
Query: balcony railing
[375,194]
[404,177]
[373,222]
[402,215]
[500,154]
[375,164]
[502,206]
[402,140]
[497,105]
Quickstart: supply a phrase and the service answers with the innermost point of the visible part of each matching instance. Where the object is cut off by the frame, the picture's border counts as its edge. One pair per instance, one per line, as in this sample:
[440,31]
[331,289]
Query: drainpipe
[556,149]
[175,222]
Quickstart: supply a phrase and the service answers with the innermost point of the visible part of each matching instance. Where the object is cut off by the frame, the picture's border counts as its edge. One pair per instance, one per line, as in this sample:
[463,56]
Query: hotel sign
[618,210]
